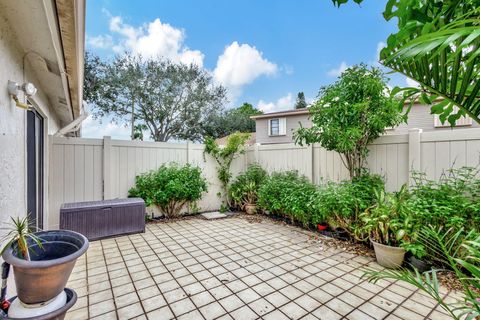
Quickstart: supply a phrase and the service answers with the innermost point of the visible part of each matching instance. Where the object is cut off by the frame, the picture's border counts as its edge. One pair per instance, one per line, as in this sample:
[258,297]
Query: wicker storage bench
[101,219]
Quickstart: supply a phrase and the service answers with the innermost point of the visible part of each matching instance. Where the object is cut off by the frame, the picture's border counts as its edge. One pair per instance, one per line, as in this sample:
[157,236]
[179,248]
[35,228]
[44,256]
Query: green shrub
[453,201]
[170,187]
[244,190]
[289,195]
[340,204]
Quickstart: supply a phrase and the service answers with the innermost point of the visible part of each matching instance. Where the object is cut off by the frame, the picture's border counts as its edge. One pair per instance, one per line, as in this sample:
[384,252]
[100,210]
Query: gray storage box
[100,219]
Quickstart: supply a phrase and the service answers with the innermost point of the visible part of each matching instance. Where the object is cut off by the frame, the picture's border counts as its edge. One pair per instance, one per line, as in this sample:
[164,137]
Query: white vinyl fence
[95,169]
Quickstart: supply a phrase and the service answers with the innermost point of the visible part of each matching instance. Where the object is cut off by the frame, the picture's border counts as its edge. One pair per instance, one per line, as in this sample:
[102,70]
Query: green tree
[171,99]
[437,45]
[350,114]
[226,122]
[300,103]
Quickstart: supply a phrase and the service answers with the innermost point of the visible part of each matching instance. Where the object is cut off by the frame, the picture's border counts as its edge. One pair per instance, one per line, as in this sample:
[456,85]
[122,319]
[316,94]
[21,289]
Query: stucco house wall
[13,124]
[41,42]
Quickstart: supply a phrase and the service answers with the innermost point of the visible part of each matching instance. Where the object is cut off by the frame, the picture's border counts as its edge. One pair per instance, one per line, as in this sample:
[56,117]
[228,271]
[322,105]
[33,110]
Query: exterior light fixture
[14,88]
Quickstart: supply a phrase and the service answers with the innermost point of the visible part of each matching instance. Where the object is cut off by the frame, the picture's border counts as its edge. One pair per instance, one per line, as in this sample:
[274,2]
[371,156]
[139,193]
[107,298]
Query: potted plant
[42,261]
[244,190]
[384,224]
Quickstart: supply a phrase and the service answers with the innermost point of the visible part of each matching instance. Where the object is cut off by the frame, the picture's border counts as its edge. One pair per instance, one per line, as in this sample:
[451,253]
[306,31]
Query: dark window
[274,127]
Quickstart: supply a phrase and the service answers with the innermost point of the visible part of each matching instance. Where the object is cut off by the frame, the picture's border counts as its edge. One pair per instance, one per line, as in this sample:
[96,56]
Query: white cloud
[241,64]
[152,40]
[338,71]
[411,83]
[283,103]
[92,128]
[101,41]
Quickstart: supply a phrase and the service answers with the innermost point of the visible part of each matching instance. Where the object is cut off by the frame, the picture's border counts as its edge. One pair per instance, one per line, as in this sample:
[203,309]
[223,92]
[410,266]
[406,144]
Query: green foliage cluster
[350,114]
[224,155]
[170,187]
[436,45]
[289,195]
[387,221]
[453,201]
[340,204]
[226,122]
[244,190]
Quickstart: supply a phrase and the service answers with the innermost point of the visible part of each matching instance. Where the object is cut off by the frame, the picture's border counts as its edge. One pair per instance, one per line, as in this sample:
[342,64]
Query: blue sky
[264,52]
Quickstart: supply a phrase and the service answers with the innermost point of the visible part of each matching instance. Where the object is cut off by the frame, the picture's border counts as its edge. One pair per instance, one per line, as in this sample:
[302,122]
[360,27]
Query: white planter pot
[388,256]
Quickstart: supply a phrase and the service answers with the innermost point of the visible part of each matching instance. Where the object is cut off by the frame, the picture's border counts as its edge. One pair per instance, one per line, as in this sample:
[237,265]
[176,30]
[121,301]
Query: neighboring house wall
[291,122]
[13,126]
[419,117]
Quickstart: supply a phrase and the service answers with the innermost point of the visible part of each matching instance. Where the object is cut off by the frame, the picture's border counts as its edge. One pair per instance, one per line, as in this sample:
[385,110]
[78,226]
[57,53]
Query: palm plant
[19,232]
[437,45]
[458,252]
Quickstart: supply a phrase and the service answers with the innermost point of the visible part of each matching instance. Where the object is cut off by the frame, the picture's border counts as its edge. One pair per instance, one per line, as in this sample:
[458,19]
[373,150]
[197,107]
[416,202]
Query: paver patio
[234,269]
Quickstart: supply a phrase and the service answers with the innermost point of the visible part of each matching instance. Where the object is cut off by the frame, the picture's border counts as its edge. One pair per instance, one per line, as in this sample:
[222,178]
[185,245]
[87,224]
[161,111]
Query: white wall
[12,126]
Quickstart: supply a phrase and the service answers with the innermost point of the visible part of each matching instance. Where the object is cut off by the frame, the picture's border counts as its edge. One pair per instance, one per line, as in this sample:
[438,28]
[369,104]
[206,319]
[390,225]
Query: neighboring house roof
[281,113]
[223,141]
[51,35]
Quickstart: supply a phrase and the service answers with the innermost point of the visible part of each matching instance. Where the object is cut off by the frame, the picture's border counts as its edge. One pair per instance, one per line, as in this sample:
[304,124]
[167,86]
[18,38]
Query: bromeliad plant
[19,232]
[455,251]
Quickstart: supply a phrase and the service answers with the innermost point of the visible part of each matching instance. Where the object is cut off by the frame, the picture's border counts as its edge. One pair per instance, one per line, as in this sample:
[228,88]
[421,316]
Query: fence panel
[94,169]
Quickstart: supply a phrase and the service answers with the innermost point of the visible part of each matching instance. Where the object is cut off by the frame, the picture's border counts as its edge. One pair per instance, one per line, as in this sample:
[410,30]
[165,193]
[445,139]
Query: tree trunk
[132,120]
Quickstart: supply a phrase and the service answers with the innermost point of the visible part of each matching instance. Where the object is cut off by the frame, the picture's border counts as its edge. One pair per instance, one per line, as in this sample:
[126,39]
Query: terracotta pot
[388,256]
[251,208]
[322,226]
[46,275]
[58,314]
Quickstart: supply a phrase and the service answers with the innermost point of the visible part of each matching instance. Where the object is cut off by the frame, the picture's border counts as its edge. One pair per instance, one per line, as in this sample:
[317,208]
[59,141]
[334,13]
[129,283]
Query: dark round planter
[46,275]
[418,264]
[58,314]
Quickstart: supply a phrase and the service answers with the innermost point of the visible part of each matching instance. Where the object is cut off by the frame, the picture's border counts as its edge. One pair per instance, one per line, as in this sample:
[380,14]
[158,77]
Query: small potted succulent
[42,261]
[384,224]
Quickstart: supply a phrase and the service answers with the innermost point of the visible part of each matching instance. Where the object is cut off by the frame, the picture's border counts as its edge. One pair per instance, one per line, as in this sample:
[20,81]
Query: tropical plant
[18,233]
[454,250]
[437,45]
[170,187]
[245,187]
[350,114]
[387,222]
[224,156]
